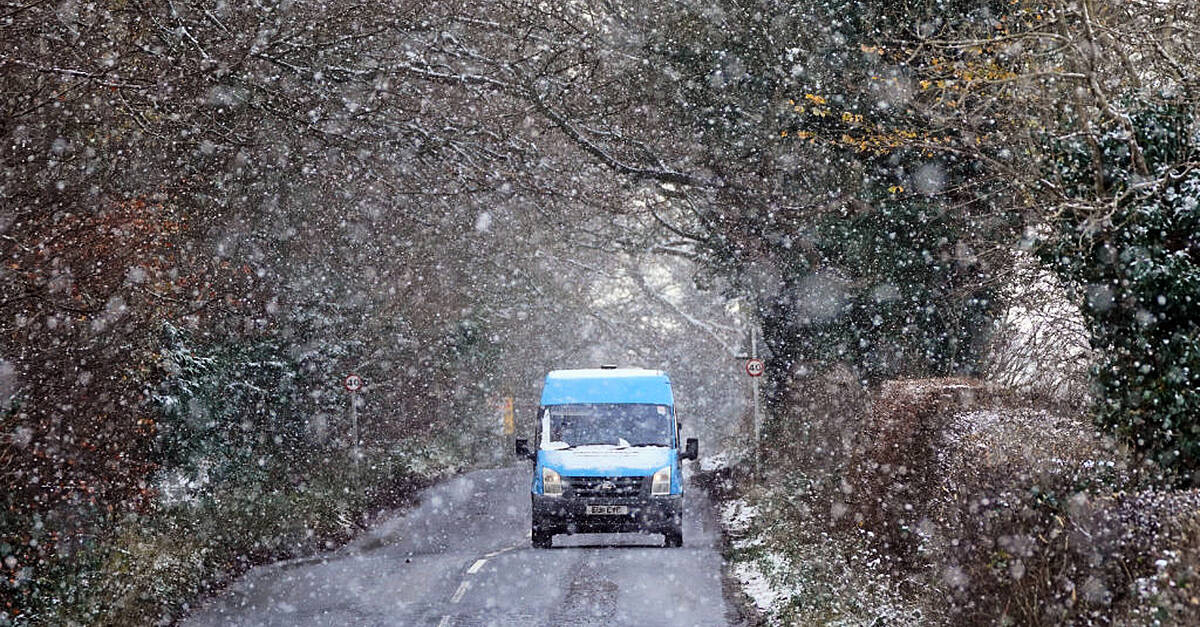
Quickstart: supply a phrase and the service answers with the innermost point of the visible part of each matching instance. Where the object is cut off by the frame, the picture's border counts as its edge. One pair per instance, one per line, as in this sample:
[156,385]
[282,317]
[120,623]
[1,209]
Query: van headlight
[660,485]
[551,482]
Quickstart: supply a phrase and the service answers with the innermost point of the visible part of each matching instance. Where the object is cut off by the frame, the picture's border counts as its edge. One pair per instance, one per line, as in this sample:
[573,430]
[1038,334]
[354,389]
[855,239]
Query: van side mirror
[692,451]
[523,449]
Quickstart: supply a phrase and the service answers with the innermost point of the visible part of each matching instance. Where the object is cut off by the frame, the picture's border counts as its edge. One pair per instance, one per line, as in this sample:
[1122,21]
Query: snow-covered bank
[795,572]
[794,569]
[958,505]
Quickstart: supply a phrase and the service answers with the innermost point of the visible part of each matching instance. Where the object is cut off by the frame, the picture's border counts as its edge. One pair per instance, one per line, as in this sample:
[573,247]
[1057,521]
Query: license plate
[607,510]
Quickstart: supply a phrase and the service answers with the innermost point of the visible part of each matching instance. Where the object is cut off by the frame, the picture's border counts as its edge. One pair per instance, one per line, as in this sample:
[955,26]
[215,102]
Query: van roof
[608,385]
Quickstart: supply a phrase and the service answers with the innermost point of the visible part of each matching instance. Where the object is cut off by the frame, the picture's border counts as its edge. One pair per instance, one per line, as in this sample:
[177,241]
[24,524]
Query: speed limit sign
[353,383]
[755,367]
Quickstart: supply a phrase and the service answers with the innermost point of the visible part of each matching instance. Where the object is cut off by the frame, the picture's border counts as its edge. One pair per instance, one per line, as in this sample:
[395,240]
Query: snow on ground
[715,462]
[1008,434]
[757,586]
[736,516]
[794,571]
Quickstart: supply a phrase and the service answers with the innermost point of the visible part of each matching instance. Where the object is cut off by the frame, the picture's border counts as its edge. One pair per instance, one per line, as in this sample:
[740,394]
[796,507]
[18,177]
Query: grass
[150,568]
[816,574]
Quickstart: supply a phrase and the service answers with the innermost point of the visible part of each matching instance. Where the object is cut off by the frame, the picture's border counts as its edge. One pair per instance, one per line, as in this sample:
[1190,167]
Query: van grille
[605,486]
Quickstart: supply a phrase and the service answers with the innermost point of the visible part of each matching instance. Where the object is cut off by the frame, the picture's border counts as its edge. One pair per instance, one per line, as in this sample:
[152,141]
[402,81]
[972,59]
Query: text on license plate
[607,509]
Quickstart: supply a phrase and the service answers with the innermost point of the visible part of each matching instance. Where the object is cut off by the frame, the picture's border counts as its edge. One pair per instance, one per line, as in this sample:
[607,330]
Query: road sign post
[353,383]
[755,368]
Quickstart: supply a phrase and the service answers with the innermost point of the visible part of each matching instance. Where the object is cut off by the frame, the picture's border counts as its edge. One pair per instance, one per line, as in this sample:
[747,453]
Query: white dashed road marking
[495,553]
[465,585]
[458,594]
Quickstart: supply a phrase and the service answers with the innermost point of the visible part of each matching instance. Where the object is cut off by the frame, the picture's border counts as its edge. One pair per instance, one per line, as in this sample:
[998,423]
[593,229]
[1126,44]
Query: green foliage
[732,71]
[142,569]
[1135,265]
[855,240]
[913,304]
[223,405]
[894,291]
[242,478]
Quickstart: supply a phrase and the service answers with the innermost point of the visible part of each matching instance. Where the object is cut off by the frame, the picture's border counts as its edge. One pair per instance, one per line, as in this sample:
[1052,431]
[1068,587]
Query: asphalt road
[462,557]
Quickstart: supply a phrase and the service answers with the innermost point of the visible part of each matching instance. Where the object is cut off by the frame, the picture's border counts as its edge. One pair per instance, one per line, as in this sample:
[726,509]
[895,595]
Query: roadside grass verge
[152,567]
[793,567]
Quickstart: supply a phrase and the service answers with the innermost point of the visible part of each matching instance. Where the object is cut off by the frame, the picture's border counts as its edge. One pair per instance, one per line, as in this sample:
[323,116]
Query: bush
[241,480]
[890,477]
[147,568]
[890,290]
[1015,515]
[815,426]
[1133,259]
[222,407]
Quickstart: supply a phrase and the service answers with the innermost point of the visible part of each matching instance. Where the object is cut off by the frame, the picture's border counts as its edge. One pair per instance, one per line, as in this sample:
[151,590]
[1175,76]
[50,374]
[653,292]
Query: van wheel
[541,539]
[673,538]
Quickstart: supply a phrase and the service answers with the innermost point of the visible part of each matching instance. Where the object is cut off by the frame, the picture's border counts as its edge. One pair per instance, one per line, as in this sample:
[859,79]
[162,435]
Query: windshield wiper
[648,444]
[620,443]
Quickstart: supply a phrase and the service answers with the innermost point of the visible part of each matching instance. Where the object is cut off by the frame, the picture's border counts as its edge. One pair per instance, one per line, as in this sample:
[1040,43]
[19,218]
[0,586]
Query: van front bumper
[563,514]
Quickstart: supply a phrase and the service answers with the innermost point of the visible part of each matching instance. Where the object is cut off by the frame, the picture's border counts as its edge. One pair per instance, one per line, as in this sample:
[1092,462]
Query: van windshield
[565,426]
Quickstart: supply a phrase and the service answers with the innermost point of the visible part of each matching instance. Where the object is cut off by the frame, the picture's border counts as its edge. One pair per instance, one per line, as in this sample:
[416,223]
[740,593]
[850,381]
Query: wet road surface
[462,557]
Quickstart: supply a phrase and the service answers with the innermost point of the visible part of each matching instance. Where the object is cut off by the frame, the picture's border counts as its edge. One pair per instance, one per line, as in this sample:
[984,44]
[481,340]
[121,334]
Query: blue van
[607,455]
